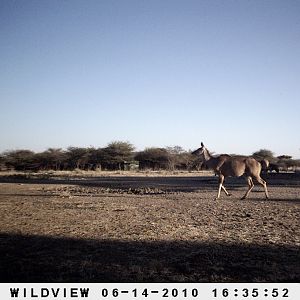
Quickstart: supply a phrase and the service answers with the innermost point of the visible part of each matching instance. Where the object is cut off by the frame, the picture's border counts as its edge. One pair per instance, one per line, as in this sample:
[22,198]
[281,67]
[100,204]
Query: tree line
[116,156]
[277,163]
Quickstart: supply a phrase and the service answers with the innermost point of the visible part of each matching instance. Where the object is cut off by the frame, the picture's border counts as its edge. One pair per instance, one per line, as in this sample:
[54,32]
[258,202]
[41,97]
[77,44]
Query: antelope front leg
[221,180]
[225,191]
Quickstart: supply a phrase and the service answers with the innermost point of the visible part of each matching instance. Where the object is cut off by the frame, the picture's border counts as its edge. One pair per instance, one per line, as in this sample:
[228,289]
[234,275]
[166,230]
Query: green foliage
[116,154]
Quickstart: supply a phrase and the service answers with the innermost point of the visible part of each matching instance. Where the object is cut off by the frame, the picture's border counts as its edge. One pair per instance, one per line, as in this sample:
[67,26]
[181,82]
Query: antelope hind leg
[250,187]
[221,186]
[264,184]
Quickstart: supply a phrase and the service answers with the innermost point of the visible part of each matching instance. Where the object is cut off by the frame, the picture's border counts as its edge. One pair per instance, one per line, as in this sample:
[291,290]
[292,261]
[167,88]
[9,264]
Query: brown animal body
[265,165]
[225,165]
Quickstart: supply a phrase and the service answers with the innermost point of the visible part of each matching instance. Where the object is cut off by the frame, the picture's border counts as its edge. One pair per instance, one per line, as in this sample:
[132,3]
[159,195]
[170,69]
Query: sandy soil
[120,228]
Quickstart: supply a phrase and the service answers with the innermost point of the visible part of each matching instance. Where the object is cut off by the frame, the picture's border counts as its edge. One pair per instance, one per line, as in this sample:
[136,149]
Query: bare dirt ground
[57,227]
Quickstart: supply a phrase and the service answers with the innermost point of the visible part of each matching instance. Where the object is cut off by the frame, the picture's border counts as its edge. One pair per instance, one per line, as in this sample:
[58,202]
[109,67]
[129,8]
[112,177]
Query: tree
[2,163]
[285,162]
[264,154]
[153,158]
[20,160]
[77,158]
[282,157]
[173,155]
[116,154]
[178,158]
[185,161]
[52,158]
[97,158]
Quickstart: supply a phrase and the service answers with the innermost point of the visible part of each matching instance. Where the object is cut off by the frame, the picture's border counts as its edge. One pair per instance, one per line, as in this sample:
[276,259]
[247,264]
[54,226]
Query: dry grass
[99,173]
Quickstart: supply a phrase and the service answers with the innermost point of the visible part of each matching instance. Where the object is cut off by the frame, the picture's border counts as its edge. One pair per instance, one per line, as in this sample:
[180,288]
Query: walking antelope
[226,166]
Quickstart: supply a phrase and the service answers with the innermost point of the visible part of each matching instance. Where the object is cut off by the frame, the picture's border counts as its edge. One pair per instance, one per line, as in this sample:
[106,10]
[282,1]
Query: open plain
[147,227]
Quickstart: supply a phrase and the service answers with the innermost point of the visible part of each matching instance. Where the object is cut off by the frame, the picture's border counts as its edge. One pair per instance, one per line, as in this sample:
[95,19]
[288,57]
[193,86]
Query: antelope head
[199,151]
[202,152]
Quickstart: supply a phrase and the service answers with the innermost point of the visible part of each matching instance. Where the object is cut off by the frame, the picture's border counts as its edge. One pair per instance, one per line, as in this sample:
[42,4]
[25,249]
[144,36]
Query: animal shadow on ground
[52,259]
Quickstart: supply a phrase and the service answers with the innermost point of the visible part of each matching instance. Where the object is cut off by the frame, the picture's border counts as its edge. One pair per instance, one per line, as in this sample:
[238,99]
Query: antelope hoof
[228,195]
[243,198]
[217,198]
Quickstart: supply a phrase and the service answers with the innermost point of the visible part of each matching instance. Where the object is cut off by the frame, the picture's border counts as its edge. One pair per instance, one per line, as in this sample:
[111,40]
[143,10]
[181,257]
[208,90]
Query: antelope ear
[202,145]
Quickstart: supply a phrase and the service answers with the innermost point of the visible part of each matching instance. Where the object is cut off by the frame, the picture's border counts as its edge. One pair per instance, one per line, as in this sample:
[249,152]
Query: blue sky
[154,73]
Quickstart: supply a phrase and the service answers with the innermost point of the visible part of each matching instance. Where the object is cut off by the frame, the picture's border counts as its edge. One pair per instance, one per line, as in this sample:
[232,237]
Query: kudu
[226,165]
